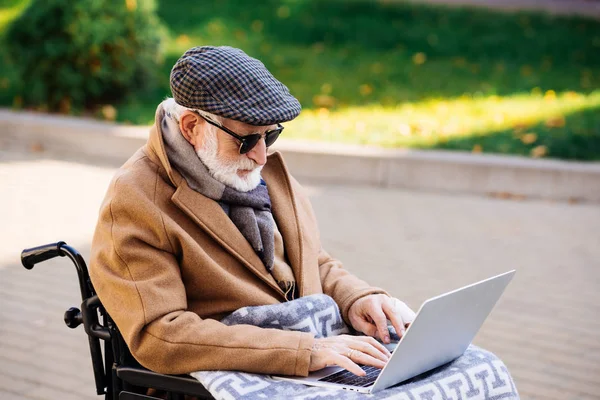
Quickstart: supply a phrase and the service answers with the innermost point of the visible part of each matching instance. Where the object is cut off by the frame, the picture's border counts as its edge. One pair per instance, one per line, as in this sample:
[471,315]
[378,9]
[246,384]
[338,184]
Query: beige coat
[168,263]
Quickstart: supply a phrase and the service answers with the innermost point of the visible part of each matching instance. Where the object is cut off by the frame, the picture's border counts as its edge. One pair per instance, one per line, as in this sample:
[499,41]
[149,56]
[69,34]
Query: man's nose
[258,154]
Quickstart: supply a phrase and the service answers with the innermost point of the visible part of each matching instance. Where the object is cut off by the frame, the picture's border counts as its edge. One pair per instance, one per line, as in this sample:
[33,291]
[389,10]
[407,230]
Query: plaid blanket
[477,374]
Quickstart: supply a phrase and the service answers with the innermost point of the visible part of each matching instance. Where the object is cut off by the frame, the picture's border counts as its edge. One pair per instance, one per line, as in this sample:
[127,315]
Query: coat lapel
[285,214]
[211,218]
[206,212]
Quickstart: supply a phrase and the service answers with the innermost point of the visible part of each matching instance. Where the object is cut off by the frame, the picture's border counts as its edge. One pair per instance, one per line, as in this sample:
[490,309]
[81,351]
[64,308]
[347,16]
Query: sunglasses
[248,142]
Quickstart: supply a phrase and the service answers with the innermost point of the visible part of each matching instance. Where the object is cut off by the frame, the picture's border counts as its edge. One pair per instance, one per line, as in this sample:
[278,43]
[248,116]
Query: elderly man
[201,221]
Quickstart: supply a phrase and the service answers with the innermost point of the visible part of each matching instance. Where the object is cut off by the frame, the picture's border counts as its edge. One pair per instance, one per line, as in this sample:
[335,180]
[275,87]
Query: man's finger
[344,362]
[366,359]
[381,323]
[365,327]
[394,317]
[371,350]
[375,344]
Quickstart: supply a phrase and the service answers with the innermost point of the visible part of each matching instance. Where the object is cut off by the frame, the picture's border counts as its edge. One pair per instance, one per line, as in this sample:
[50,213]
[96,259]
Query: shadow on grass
[577,139]
[400,52]
[338,54]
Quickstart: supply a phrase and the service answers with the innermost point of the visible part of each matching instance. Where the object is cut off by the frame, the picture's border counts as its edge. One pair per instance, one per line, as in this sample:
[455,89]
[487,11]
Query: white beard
[226,173]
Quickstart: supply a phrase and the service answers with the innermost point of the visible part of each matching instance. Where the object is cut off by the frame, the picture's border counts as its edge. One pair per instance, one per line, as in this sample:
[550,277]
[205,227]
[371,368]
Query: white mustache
[247,164]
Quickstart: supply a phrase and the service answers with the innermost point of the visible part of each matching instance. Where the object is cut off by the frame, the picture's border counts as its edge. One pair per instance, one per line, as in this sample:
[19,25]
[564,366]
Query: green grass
[390,74]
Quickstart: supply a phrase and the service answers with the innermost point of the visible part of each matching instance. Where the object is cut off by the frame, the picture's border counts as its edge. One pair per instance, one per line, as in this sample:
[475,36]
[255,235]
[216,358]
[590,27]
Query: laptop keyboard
[346,377]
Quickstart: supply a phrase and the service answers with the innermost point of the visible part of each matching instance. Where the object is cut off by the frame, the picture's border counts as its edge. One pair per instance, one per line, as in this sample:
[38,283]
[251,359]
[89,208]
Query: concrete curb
[582,8]
[458,172]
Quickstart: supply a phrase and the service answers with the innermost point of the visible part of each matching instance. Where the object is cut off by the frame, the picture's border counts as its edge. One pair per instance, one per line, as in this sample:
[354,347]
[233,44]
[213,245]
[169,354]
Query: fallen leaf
[550,95]
[216,27]
[109,112]
[323,112]
[459,61]
[501,195]
[36,147]
[326,88]
[529,138]
[279,60]
[365,89]
[265,48]
[182,40]
[283,12]
[323,100]
[377,68]
[318,47]
[419,58]
[64,107]
[240,35]
[526,70]
[521,126]
[507,196]
[556,122]
[539,151]
[257,26]
[131,4]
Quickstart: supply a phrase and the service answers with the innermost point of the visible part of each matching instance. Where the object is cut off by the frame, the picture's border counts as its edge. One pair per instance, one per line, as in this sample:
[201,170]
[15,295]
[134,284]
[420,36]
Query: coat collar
[209,215]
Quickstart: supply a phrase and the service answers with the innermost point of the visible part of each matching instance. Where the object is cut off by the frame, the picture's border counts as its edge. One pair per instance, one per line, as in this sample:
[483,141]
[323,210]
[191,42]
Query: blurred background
[386,73]
[456,75]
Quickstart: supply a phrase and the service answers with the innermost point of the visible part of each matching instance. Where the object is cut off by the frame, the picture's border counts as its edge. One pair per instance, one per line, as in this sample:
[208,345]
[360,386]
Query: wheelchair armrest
[171,383]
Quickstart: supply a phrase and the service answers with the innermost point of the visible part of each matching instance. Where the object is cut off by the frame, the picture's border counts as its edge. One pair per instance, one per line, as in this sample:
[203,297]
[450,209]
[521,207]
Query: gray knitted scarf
[249,211]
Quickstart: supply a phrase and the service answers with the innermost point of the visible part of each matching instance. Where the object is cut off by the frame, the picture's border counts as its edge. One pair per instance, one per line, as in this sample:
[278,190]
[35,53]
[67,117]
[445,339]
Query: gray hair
[174,111]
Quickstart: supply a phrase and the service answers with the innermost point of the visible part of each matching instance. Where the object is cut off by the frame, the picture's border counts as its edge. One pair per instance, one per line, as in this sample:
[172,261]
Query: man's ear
[187,125]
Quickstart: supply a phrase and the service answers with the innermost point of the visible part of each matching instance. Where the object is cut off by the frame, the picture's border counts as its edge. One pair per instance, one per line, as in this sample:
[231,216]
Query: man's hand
[347,351]
[369,315]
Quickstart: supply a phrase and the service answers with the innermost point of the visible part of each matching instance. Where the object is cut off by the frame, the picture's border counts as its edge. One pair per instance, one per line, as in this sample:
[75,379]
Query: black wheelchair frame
[117,374]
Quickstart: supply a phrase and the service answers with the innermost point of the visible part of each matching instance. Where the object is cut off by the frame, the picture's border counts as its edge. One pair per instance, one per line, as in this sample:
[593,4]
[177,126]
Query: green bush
[74,54]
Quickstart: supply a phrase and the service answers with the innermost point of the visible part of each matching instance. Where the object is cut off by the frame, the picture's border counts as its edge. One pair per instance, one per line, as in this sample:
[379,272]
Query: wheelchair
[118,376]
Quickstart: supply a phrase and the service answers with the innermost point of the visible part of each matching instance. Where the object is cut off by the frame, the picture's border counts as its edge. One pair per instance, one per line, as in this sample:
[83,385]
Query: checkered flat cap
[226,81]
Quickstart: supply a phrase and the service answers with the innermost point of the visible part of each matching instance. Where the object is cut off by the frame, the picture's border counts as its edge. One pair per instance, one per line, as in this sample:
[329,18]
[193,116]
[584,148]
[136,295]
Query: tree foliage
[83,53]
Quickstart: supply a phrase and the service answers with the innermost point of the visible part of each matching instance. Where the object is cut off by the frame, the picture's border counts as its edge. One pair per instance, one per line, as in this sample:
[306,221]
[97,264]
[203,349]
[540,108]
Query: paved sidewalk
[417,245]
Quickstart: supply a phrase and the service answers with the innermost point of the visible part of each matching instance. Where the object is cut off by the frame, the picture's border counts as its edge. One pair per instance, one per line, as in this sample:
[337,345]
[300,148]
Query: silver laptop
[441,332]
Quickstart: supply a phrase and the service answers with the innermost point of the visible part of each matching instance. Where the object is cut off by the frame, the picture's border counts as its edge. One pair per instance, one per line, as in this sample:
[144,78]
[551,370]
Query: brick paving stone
[46,392]
[416,245]
[40,376]
[534,391]
[32,356]
[8,395]
[15,385]
[563,386]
